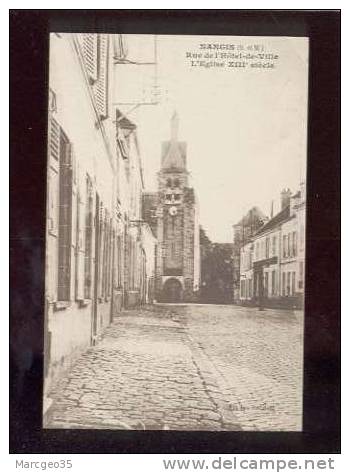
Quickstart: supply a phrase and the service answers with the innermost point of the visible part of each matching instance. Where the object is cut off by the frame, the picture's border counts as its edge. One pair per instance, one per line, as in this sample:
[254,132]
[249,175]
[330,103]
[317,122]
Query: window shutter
[53,179]
[88,238]
[74,222]
[52,208]
[89,47]
[101,85]
[80,248]
[54,139]
[65,220]
[101,247]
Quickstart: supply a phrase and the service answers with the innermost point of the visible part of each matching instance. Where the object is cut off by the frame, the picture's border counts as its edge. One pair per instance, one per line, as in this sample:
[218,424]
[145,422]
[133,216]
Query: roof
[173,155]
[123,121]
[254,212]
[279,218]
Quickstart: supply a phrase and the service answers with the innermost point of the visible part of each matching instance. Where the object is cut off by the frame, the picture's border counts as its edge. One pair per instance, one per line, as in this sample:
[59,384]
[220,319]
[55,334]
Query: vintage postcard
[175,237]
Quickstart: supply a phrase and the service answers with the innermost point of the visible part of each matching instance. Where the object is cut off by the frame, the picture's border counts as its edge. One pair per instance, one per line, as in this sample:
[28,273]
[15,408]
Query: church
[173,215]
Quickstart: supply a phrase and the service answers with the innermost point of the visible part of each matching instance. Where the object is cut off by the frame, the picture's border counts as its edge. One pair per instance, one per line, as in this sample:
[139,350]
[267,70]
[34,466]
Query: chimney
[285,198]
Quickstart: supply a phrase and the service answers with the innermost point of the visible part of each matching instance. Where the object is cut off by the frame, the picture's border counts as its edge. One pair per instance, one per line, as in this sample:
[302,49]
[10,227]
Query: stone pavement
[187,368]
[259,360]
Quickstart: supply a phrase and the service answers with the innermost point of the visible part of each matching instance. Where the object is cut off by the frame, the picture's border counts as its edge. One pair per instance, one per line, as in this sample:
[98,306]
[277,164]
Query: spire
[174,151]
[174,126]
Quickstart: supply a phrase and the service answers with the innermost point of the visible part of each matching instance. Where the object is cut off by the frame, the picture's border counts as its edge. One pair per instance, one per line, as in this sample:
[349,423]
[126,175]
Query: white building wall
[69,328]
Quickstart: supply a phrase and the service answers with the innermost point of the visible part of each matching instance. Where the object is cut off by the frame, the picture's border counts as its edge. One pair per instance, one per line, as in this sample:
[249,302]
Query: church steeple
[174,126]
[174,151]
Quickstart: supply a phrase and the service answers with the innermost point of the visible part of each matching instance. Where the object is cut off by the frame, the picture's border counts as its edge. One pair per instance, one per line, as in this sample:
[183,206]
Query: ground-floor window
[89,227]
[288,284]
[273,283]
[266,284]
[301,275]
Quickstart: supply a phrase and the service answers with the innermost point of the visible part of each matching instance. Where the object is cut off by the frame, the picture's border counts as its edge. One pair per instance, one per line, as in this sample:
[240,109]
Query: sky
[245,128]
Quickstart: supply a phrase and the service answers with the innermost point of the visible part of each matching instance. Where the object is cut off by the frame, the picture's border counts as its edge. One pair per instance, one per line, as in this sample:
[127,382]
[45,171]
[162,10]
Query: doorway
[172,291]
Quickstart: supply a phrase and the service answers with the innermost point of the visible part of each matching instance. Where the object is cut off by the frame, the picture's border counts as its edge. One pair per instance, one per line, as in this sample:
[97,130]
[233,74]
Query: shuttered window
[90,55]
[110,257]
[301,275]
[65,219]
[100,250]
[89,224]
[105,255]
[54,141]
[80,247]
[293,283]
[95,52]
[101,84]
[119,261]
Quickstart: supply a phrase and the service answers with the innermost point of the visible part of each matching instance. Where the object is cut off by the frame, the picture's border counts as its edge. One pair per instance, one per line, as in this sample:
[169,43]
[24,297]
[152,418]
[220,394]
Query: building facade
[242,233]
[272,261]
[174,214]
[99,254]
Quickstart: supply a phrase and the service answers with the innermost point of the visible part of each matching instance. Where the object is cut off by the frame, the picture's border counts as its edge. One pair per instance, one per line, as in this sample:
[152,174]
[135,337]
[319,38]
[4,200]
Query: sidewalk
[145,373]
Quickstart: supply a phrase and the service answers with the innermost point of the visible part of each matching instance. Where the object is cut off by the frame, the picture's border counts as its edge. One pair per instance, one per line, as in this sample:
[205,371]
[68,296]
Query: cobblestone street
[188,367]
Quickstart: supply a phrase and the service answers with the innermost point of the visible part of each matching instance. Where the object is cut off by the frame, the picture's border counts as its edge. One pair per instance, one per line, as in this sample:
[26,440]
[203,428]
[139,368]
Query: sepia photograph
[175,232]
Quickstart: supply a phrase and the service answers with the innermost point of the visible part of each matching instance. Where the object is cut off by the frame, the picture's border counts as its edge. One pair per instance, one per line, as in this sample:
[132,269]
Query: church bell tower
[177,266]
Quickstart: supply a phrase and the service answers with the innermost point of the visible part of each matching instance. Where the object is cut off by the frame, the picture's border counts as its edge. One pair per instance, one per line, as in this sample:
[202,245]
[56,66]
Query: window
[119,261]
[273,283]
[177,197]
[274,246]
[106,259]
[89,50]
[301,275]
[95,51]
[284,246]
[284,284]
[120,49]
[110,258]
[267,247]
[288,246]
[169,183]
[301,239]
[65,218]
[288,284]
[176,183]
[294,243]
[266,285]
[89,224]
[293,283]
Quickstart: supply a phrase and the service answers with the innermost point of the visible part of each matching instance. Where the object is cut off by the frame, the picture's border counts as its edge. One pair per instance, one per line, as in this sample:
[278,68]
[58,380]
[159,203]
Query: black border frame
[28,126]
